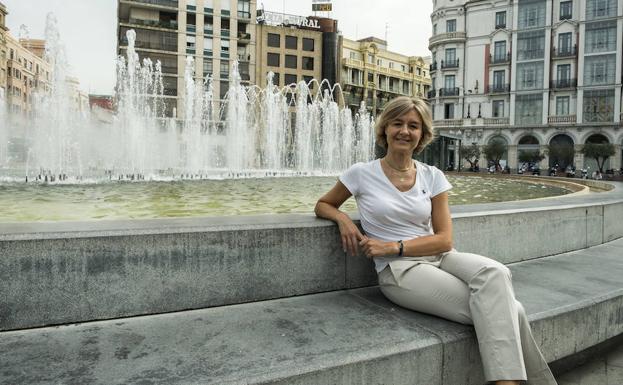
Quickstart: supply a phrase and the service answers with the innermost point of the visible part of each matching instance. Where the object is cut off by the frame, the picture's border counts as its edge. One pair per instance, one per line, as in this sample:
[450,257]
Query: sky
[88,28]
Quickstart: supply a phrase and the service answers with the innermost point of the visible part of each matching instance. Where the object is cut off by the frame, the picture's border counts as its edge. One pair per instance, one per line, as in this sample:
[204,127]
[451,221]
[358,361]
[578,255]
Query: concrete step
[574,301]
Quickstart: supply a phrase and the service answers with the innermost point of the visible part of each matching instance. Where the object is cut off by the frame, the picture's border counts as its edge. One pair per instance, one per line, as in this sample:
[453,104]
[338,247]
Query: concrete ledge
[57,273]
[355,336]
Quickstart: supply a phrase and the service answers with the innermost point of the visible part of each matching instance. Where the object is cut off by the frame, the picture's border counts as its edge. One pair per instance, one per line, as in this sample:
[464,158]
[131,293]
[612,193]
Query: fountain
[249,152]
[254,132]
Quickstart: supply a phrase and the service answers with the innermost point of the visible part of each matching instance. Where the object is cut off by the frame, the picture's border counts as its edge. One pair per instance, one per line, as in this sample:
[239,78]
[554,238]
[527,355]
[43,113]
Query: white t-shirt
[388,214]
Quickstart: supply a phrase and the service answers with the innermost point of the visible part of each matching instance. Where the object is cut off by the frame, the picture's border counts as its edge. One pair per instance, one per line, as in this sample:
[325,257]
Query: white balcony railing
[561,119]
[448,123]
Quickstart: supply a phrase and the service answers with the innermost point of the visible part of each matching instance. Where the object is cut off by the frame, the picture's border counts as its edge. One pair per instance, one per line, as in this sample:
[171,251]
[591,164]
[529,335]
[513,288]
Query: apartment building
[3,50]
[529,73]
[27,72]
[214,32]
[295,48]
[371,73]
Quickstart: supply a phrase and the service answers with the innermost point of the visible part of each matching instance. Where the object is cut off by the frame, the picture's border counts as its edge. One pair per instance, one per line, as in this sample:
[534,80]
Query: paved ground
[603,370]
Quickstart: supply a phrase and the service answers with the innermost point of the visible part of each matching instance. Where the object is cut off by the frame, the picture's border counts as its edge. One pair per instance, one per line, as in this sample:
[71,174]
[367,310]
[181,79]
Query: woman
[403,206]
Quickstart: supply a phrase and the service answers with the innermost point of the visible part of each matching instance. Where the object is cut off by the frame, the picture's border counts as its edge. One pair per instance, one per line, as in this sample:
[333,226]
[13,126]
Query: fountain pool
[21,202]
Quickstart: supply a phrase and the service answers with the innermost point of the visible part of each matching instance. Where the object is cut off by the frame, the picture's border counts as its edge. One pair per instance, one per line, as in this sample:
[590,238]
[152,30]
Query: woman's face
[404,133]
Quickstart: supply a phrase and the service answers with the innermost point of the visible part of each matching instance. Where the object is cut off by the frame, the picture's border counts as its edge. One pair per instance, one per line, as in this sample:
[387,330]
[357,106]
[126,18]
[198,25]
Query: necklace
[399,170]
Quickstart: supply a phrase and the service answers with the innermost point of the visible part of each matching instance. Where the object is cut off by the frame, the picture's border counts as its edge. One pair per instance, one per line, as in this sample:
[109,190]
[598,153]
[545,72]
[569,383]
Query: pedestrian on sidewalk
[404,211]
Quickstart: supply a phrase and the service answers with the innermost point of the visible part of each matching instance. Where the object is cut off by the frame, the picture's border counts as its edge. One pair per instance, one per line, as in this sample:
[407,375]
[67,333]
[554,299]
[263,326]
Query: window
[274,40]
[225,27]
[370,77]
[370,58]
[434,29]
[308,81]
[353,55]
[564,43]
[208,6]
[529,109]
[224,87]
[600,8]
[499,78]
[276,79]
[225,48]
[565,10]
[598,106]
[308,63]
[391,65]
[599,70]
[448,111]
[224,69]
[498,108]
[499,51]
[272,59]
[531,14]
[244,9]
[289,79]
[600,37]
[449,82]
[529,75]
[451,25]
[207,46]
[562,105]
[208,25]
[563,74]
[291,42]
[379,62]
[190,44]
[531,45]
[450,56]
[207,67]
[308,44]
[290,61]
[500,19]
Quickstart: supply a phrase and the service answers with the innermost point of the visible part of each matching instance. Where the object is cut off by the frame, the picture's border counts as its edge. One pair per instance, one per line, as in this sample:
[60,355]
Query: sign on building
[322,7]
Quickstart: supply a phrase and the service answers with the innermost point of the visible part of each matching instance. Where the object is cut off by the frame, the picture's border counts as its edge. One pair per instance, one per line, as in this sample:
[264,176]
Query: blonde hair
[396,108]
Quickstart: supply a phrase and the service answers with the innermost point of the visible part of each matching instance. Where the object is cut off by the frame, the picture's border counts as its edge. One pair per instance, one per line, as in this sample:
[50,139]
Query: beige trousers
[472,289]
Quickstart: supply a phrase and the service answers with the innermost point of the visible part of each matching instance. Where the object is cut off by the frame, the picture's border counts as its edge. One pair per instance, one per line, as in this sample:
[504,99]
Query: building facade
[214,32]
[27,72]
[3,51]
[371,73]
[531,74]
[292,48]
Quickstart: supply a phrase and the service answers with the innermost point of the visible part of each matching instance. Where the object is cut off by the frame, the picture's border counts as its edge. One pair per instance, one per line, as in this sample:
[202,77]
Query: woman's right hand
[350,235]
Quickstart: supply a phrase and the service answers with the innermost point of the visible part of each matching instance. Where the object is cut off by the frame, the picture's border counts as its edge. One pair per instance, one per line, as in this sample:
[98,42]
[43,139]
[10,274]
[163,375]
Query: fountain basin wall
[58,273]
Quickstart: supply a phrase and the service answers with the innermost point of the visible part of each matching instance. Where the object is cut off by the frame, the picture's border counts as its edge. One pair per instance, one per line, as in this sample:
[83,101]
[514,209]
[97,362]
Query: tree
[530,156]
[598,151]
[471,154]
[494,151]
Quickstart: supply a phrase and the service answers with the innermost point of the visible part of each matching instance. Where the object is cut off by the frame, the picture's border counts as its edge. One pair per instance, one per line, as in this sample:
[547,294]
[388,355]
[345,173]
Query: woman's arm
[439,242]
[328,207]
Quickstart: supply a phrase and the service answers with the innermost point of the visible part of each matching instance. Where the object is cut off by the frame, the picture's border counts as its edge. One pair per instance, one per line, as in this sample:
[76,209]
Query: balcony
[561,119]
[190,51]
[448,123]
[224,55]
[431,94]
[164,3]
[244,57]
[500,59]
[498,88]
[191,28]
[564,52]
[224,33]
[563,84]
[495,121]
[432,67]
[500,25]
[207,52]
[448,92]
[244,36]
[448,64]
[243,15]
[566,16]
[208,31]
[151,23]
[450,37]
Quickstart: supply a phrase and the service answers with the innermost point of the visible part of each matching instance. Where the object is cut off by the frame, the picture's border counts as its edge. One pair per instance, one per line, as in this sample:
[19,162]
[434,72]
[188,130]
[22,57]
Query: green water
[21,202]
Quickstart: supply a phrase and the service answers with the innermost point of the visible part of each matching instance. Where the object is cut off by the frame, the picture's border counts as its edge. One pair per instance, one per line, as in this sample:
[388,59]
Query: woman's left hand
[374,248]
